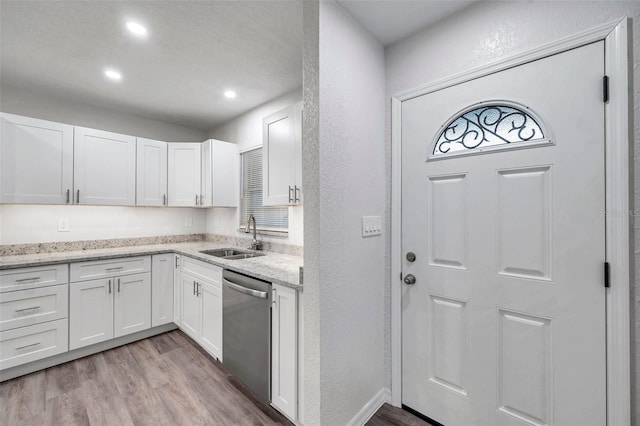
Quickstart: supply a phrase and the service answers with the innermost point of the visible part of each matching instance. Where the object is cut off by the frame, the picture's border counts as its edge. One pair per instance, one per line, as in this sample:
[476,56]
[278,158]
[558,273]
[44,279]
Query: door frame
[617,201]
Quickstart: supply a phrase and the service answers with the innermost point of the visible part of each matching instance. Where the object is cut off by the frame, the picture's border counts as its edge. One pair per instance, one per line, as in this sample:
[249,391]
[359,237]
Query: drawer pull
[27,346]
[28,280]
[115,269]
[27,309]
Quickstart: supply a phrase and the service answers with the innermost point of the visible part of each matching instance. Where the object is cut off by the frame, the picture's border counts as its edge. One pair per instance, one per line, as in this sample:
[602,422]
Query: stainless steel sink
[231,253]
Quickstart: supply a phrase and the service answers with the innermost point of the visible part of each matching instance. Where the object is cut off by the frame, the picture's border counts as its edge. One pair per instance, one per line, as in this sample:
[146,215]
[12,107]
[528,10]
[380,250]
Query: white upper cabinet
[104,168]
[151,172]
[184,174]
[282,157]
[36,161]
[220,174]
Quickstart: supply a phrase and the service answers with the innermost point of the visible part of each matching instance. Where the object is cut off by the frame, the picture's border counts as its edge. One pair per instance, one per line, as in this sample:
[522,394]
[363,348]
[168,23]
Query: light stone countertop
[274,267]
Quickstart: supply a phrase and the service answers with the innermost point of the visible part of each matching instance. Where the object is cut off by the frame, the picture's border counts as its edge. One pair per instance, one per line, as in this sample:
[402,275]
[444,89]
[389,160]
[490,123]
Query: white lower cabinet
[32,343]
[162,267]
[284,350]
[201,304]
[105,308]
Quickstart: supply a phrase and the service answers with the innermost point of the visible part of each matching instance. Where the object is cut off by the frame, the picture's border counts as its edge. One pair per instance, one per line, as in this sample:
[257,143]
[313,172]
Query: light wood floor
[163,380]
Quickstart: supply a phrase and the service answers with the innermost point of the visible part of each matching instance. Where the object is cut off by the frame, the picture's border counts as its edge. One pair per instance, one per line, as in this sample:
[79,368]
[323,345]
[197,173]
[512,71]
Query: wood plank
[66,409]
[104,404]
[124,370]
[163,343]
[389,415]
[152,366]
[61,380]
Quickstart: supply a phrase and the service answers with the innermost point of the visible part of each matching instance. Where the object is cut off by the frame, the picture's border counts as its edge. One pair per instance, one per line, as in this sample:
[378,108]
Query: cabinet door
[297,143]
[90,312]
[190,315]
[220,174]
[104,168]
[132,306]
[278,158]
[284,351]
[162,266]
[36,161]
[151,172]
[184,174]
[211,299]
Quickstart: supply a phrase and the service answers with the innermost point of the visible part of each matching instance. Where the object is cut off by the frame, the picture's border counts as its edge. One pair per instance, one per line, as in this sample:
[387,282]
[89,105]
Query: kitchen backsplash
[35,248]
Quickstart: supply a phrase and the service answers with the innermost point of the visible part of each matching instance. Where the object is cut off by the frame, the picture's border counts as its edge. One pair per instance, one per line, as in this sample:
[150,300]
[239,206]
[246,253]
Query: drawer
[202,270]
[34,306]
[40,276]
[96,269]
[33,342]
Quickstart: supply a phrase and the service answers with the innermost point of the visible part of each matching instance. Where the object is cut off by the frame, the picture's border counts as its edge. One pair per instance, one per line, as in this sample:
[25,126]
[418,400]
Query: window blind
[267,217]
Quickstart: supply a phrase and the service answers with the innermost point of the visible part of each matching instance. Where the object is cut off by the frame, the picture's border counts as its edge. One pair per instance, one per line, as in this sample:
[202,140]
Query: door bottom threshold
[421,416]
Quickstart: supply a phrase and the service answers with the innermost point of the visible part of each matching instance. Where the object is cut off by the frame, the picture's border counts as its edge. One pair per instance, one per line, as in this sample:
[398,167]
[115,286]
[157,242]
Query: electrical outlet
[63,225]
[371,226]
[188,221]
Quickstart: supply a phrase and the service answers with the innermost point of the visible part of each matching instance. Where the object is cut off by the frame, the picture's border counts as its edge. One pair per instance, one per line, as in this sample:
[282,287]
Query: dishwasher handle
[245,290]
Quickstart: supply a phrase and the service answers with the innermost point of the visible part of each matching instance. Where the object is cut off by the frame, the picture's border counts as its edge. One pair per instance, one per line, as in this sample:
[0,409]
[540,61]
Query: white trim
[615,35]
[370,408]
[251,148]
[617,136]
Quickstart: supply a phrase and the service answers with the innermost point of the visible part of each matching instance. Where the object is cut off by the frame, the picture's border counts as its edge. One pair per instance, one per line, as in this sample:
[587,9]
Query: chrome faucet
[255,244]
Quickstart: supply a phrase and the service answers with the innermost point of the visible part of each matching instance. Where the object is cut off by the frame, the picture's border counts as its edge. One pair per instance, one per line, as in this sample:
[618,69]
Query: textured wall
[41,105]
[344,285]
[491,30]
[311,184]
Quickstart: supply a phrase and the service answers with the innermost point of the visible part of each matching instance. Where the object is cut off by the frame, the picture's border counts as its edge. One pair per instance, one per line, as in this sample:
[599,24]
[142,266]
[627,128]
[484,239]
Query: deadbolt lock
[411,256]
[410,279]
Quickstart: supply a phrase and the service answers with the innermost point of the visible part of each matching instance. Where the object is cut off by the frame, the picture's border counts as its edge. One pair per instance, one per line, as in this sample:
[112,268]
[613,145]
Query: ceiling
[392,20]
[195,50]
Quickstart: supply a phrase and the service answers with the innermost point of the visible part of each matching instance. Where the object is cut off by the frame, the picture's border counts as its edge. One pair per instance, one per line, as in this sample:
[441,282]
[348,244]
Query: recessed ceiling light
[136,29]
[230,94]
[113,74]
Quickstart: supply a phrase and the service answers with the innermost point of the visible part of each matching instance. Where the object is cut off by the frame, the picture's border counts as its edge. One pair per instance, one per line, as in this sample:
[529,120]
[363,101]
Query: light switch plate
[63,224]
[371,226]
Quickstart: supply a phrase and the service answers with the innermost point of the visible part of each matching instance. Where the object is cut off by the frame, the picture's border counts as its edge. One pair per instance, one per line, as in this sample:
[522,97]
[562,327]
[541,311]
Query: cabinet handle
[296,193]
[78,196]
[198,289]
[118,285]
[273,295]
[177,261]
[68,192]
[117,268]
[290,195]
[164,200]
[28,280]
[27,309]
[109,286]
[27,346]
[194,287]
[196,199]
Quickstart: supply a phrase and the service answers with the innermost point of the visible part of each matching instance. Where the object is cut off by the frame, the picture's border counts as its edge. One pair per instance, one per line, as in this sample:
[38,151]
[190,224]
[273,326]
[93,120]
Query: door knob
[410,279]
[411,256]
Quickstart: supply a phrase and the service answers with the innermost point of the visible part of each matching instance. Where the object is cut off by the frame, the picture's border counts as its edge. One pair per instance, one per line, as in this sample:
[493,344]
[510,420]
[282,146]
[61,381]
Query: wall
[38,223]
[34,104]
[344,301]
[489,30]
[246,131]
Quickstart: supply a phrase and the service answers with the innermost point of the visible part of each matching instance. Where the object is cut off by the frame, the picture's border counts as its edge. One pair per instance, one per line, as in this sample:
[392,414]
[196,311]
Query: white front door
[505,323]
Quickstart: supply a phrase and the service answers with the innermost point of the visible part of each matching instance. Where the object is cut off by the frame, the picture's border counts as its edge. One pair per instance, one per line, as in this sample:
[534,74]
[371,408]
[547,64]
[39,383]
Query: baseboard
[41,364]
[370,408]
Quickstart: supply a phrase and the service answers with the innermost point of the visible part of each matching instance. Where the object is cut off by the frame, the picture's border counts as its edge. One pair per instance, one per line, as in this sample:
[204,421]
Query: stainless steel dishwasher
[246,331]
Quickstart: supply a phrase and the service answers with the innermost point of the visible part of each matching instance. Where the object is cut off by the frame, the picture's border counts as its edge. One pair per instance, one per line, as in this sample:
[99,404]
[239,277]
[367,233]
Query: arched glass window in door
[489,126]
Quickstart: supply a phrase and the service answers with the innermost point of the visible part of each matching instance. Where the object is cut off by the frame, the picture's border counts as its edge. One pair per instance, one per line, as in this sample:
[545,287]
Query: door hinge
[607,275]
[605,88]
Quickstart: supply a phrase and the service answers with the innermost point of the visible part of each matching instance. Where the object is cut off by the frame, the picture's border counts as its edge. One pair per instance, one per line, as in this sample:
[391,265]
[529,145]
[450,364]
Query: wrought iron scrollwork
[485,126]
